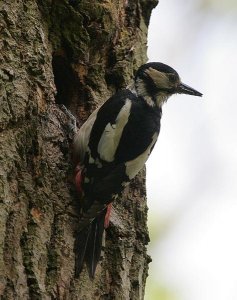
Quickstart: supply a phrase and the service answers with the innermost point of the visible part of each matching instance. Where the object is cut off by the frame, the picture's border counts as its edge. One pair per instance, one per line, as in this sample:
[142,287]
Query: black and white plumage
[113,145]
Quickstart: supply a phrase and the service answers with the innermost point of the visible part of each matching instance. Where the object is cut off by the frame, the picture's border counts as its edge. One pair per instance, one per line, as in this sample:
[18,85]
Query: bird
[112,146]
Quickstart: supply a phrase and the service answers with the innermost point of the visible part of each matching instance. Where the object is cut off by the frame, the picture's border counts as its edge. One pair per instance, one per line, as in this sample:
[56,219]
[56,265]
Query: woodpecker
[113,145]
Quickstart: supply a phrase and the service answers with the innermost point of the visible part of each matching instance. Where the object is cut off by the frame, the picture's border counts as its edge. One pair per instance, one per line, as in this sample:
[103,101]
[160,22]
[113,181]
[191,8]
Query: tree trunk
[74,53]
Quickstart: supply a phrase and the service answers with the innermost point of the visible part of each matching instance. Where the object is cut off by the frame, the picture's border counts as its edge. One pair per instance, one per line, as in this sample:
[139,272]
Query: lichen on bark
[75,53]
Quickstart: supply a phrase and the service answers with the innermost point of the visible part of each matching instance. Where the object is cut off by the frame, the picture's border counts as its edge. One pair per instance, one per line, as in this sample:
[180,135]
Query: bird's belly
[135,165]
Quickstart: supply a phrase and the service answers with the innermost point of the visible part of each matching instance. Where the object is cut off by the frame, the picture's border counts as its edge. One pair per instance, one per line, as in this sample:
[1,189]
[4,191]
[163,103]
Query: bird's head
[156,82]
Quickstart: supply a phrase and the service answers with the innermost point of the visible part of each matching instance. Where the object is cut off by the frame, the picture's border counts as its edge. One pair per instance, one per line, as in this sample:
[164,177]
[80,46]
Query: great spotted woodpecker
[113,145]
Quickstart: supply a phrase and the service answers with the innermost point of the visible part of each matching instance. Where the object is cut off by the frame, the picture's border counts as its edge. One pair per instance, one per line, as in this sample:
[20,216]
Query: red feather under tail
[79,177]
[107,216]
[88,243]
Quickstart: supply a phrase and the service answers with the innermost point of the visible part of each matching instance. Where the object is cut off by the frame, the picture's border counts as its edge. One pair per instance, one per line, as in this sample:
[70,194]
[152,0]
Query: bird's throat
[153,99]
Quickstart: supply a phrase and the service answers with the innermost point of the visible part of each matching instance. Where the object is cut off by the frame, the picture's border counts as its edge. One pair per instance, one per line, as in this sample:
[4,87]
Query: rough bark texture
[75,53]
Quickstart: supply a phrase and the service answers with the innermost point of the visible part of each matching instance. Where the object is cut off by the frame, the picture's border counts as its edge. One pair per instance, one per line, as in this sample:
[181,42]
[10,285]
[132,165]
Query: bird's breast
[135,165]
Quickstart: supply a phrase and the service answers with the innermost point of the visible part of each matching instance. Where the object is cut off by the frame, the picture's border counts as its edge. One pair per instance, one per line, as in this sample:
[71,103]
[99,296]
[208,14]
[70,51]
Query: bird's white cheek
[135,165]
[160,78]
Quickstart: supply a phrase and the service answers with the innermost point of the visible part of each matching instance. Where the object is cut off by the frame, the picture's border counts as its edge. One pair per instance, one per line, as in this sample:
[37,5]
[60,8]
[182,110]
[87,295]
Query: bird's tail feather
[88,245]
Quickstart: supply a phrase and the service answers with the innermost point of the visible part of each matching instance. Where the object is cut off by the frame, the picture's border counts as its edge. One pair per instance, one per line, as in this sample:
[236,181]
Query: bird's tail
[88,245]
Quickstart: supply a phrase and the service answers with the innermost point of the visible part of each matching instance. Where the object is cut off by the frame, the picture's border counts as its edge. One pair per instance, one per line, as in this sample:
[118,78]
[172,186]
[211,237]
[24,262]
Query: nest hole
[65,80]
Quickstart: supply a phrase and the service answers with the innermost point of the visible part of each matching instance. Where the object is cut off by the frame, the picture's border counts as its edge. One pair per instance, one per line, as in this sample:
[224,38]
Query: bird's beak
[185,89]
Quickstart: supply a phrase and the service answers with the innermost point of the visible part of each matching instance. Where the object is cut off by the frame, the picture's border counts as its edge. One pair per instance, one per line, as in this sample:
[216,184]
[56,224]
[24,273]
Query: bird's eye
[172,78]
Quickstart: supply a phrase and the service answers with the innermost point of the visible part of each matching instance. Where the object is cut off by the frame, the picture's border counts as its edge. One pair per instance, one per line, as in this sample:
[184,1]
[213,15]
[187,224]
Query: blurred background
[191,174]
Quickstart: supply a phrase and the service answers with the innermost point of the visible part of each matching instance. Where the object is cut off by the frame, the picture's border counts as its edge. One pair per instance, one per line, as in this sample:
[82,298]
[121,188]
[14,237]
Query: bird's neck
[155,99]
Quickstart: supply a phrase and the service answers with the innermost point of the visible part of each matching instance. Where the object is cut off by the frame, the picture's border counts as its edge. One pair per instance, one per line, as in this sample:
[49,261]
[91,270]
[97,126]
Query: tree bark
[74,53]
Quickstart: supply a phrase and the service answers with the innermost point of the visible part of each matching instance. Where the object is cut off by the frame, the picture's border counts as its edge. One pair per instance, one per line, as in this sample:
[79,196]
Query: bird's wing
[103,116]
[123,129]
[107,129]
[81,140]
[121,139]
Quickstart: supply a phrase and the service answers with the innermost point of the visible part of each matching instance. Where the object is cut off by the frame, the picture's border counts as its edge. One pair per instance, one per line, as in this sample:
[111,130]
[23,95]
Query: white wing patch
[111,136]
[135,165]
